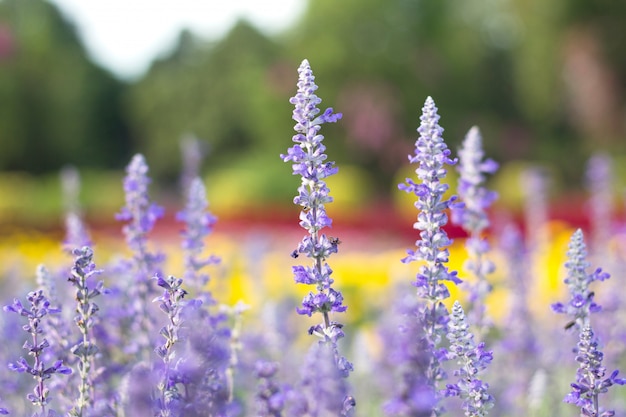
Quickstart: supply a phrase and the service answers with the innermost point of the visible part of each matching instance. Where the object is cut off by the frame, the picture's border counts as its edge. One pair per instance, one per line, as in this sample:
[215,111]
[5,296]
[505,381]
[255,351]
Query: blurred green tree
[232,94]
[57,106]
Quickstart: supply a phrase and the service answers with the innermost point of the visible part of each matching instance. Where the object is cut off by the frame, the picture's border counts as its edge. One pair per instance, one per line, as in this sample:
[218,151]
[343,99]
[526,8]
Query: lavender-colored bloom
[519,345]
[171,303]
[139,212]
[408,353]
[140,215]
[309,161]
[476,198]
[36,347]
[431,155]
[472,216]
[270,398]
[590,377]
[581,303]
[473,359]
[323,390]
[86,310]
[3,410]
[199,224]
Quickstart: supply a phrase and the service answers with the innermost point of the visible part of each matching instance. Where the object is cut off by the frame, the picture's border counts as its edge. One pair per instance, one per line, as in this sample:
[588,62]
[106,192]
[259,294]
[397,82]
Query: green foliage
[231,94]
[501,65]
[58,107]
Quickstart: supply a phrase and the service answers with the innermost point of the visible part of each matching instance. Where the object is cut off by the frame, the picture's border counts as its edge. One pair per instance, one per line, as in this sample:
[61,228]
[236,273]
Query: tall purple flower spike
[432,155]
[309,162]
[474,220]
[472,358]
[581,303]
[591,379]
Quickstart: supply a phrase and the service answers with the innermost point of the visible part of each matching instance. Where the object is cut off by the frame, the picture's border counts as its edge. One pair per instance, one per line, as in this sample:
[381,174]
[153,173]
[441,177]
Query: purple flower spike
[199,224]
[86,309]
[472,216]
[590,377]
[140,213]
[581,303]
[432,155]
[309,162]
[473,359]
[37,348]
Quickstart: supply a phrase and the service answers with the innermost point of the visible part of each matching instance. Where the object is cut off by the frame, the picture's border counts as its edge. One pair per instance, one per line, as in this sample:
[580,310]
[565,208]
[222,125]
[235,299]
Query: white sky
[126,35]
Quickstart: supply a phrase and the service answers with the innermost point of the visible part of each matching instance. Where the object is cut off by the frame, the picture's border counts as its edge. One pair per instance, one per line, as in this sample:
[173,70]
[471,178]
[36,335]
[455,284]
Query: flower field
[177,314]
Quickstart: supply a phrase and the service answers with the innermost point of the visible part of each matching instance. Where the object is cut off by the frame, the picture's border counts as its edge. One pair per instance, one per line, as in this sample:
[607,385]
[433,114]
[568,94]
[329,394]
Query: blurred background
[544,80]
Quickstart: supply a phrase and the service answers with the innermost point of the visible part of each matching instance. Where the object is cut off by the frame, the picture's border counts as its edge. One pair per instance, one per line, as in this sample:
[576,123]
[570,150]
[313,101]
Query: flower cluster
[140,215]
[472,358]
[581,303]
[431,155]
[203,359]
[198,225]
[36,347]
[270,398]
[590,377]
[139,212]
[171,303]
[309,162]
[86,350]
[472,216]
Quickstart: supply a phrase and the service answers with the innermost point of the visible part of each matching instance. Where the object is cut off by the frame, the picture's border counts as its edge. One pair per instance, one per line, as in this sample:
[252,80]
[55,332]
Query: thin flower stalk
[473,217]
[86,309]
[432,155]
[199,223]
[171,303]
[37,348]
[236,314]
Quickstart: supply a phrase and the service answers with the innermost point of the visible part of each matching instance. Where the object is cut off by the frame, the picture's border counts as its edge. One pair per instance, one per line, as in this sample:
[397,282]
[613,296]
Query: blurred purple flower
[139,212]
[472,216]
[199,224]
[270,397]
